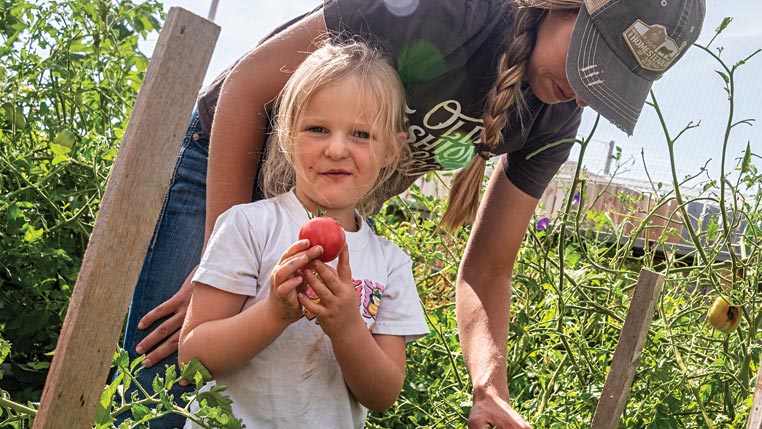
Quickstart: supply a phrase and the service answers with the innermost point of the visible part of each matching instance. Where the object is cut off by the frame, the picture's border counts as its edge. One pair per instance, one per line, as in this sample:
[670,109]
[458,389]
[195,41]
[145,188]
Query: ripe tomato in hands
[326,232]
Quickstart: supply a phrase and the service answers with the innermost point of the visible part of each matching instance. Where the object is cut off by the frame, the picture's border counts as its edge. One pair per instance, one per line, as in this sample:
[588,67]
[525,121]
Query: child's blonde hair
[377,80]
[505,94]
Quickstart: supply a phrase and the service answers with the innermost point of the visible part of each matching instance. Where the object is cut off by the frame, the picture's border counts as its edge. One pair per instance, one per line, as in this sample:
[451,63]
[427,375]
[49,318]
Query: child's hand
[337,309]
[287,275]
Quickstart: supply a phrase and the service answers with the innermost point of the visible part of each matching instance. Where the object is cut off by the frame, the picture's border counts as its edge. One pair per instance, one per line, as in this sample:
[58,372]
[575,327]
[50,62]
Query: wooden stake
[627,354]
[755,414]
[125,223]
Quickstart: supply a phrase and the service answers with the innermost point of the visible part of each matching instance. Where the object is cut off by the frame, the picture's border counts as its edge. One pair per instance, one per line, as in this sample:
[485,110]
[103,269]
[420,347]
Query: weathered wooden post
[755,414]
[627,353]
[125,223]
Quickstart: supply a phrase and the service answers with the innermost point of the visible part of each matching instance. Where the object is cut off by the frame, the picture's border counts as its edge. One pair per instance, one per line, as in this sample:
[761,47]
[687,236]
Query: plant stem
[15,406]
[684,369]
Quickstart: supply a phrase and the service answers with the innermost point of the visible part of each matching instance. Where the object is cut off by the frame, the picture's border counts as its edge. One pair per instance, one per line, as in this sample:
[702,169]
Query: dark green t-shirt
[446,53]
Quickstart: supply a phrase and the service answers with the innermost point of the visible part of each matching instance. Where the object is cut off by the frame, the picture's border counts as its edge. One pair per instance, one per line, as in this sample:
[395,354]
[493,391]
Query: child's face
[337,155]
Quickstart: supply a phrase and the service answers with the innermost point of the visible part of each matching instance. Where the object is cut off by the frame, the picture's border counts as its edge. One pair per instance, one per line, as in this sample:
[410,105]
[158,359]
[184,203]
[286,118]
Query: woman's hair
[379,83]
[505,94]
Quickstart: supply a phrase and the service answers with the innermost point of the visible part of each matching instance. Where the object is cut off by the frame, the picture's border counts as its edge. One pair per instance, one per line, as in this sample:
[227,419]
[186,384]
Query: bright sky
[691,91]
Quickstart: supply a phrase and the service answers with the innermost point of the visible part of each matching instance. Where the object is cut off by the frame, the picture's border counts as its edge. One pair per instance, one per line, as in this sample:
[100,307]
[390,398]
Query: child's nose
[338,147]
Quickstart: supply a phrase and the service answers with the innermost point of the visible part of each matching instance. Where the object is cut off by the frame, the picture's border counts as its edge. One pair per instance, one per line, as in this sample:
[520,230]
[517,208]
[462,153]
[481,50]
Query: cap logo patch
[651,46]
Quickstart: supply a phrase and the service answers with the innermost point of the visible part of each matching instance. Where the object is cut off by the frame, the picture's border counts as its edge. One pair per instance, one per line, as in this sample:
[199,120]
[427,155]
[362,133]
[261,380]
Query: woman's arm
[483,297]
[237,140]
[240,120]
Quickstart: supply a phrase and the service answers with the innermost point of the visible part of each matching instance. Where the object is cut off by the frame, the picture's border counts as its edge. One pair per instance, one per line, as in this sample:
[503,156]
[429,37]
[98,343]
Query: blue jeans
[174,251]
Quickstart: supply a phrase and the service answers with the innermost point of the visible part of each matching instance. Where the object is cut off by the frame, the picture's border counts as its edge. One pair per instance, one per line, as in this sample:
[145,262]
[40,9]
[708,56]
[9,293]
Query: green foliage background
[69,74]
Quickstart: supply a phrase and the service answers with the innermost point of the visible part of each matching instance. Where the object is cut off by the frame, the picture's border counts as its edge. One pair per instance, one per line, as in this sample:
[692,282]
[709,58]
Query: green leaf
[32,233]
[193,368]
[5,348]
[140,411]
[59,159]
[723,25]
[157,384]
[746,159]
[723,76]
[214,399]
[80,46]
[122,359]
[103,417]
[13,212]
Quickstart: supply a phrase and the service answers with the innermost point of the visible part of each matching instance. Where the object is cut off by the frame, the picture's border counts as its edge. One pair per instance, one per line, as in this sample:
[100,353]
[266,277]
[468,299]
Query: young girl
[288,360]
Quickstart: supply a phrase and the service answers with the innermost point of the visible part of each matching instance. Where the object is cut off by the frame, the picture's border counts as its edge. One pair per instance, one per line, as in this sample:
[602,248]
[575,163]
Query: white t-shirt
[296,381]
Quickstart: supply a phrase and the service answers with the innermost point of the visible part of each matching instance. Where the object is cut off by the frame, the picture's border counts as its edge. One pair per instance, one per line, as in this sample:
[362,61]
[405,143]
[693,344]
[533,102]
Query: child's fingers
[342,268]
[313,307]
[295,258]
[288,268]
[332,283]
[301,247]
[317,282]
[284,288]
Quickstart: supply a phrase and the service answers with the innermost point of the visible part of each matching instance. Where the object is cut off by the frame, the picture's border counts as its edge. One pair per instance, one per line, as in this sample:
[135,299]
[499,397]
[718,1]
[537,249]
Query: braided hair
[512,69]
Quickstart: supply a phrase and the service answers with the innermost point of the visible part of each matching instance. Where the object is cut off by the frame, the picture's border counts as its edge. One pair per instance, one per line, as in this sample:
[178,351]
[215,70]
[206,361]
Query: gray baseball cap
[620,47]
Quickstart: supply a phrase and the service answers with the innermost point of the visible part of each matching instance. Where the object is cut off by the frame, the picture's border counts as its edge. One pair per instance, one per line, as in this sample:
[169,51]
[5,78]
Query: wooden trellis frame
[755,414]
[628,349]
[122,232]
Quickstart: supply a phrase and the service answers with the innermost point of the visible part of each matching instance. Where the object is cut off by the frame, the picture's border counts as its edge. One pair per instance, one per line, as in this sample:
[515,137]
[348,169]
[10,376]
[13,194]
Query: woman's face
[547,66]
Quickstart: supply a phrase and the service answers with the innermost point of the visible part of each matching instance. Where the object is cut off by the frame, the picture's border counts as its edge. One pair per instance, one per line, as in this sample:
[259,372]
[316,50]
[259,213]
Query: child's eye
[316,129]
[362,134]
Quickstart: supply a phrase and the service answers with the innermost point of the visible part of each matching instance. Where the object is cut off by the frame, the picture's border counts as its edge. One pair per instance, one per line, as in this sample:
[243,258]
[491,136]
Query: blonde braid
[512,66]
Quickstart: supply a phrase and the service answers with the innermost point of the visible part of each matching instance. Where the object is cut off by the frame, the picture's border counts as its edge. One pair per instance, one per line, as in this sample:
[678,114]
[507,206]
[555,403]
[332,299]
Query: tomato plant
[70,74]
[326,232]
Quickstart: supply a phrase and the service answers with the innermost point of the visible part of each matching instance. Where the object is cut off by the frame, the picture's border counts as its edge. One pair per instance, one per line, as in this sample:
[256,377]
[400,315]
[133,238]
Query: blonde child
[288,360]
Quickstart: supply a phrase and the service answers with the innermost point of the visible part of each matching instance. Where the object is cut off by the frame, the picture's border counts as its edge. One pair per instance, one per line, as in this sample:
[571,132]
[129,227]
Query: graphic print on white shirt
[368,295]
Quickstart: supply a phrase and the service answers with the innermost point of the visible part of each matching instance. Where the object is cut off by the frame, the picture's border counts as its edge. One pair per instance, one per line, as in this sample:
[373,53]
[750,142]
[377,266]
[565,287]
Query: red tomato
[326,232]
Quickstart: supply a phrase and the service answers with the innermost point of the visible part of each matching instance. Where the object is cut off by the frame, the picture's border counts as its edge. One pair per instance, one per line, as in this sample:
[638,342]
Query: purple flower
[542,224]
[575,200]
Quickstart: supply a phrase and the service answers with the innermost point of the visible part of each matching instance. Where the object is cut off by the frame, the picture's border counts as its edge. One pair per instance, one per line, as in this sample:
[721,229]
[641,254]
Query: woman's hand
[167,334]
[494,412]
[287,276]
[337,308]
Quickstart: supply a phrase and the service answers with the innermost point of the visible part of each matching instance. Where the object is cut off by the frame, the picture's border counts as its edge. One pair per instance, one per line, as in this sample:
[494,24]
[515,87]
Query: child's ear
[399,141]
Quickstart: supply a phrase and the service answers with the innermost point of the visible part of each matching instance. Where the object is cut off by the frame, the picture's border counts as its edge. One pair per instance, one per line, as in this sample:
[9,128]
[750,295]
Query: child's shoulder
[246,209]
[257,212]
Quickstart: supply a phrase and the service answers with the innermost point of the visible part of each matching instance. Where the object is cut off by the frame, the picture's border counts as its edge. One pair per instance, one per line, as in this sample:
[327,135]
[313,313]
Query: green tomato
[65,137]
[14,115]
